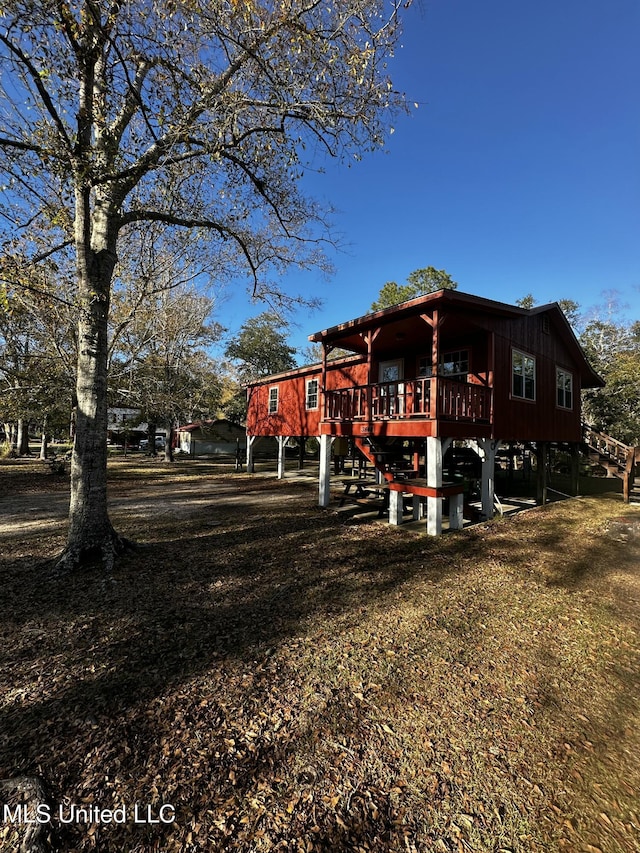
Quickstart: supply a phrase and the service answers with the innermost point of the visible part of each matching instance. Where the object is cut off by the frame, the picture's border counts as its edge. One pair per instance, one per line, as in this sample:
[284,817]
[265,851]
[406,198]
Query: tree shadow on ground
[181,638]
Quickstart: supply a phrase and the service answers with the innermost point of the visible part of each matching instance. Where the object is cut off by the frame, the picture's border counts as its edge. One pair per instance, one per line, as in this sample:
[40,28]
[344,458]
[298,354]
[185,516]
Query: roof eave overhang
[441,298]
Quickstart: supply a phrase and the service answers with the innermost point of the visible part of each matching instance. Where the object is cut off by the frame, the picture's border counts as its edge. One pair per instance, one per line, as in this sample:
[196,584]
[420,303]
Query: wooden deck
[413,399]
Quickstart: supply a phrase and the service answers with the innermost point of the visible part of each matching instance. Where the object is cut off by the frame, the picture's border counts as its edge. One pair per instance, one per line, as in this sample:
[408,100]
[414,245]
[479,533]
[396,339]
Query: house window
[523,376]
[455,364]
[391,371]
[273,399]
[564,388]
[312,394]
[424,366]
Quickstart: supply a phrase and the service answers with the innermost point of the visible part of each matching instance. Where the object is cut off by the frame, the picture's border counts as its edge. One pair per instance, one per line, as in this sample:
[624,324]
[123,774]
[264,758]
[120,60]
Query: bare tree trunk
[29,791]
[90,531]
[43,439]
[22,440]
[11,438]
[168,445]
[151,438]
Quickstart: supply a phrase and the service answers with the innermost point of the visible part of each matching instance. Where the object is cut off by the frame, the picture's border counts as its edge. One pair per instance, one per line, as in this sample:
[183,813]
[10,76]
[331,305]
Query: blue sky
[518,173]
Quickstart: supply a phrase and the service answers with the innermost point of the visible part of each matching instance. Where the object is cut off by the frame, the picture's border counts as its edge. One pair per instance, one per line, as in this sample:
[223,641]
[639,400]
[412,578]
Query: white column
[456,512]
[251,440]
[282,442]
[434,480]
[417,507]
[488,449]
[324,488]
[395,507]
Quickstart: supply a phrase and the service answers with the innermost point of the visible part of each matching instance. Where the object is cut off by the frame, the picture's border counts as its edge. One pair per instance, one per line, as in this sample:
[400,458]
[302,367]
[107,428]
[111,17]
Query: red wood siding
[292,416]
[517,419]
[489,331]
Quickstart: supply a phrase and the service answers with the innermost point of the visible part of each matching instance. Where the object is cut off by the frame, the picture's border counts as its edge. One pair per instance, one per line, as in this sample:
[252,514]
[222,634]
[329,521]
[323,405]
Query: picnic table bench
[379,494]
[375,494]
[363,489]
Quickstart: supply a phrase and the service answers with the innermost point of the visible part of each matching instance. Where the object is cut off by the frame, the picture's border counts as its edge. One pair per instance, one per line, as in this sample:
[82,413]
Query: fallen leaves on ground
[289,683]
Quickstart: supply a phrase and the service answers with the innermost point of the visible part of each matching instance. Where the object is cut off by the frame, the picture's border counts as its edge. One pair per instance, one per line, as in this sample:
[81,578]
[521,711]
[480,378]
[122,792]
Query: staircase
[617,459]
[385,455]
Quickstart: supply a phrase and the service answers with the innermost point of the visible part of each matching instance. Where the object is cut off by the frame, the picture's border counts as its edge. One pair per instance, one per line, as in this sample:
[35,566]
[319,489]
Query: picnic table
[366,490]
[361,488]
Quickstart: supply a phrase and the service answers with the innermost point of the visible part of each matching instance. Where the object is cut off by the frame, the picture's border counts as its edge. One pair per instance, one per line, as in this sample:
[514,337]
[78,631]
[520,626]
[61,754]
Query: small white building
[219,437]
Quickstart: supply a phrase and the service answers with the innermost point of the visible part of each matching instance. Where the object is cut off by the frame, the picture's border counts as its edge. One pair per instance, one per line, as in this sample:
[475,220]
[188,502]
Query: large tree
[613,348]
[161,363]
[419,282]
[569,307]
[36,358]
[198,115]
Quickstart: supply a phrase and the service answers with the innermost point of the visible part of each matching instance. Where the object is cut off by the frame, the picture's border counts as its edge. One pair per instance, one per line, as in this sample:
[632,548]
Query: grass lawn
[288,681]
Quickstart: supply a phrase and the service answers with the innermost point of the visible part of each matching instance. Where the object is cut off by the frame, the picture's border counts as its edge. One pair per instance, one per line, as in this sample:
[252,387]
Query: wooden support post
[574,487]
[628,475]
[324,487]
[434,479]
[541,478]
[395,507]
[511,466]
[369,339]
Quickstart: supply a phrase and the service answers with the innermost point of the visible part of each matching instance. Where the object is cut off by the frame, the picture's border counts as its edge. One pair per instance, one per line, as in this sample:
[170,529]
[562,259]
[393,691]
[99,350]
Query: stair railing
[605,445]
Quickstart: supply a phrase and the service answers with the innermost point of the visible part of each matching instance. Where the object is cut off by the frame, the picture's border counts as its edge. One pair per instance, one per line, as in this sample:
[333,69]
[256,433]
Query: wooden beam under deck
[407,428]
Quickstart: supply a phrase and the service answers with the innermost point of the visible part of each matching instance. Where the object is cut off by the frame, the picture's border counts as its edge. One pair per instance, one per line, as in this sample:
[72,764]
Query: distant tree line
[162,330]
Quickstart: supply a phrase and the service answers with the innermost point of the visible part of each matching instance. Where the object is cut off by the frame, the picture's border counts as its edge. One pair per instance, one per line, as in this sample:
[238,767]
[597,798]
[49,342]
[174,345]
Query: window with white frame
[312,394]
[523,375]
[564,388]
[273,399]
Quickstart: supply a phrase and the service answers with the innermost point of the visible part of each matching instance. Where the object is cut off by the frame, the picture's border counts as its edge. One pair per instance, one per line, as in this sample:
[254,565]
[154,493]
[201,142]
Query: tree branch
[44,255]
[21,146]
[21,56]
[188,222]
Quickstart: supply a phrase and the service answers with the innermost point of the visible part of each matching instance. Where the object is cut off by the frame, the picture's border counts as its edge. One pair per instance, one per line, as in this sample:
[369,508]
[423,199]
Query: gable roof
[415,307]
[589,377]
[349,335]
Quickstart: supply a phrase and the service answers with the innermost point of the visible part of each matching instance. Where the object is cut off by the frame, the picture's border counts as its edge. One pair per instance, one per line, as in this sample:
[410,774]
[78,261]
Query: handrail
[427,398]
[606,444]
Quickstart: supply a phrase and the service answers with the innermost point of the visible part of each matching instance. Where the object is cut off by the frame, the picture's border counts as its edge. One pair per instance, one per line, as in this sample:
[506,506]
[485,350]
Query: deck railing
[423,399]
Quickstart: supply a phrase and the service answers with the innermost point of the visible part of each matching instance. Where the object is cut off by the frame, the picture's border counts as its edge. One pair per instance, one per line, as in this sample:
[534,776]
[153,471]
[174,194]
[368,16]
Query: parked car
[160,443]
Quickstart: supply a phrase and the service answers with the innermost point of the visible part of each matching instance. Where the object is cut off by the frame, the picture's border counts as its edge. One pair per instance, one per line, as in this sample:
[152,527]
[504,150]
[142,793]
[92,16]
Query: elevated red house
[442,367]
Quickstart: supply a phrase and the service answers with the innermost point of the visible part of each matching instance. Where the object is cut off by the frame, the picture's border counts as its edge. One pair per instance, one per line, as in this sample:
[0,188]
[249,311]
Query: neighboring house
[124,425]
[443,367]
[213,437]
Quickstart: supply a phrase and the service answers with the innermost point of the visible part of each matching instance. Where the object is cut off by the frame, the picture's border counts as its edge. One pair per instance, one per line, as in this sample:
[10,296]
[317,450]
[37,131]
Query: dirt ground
[284,678]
